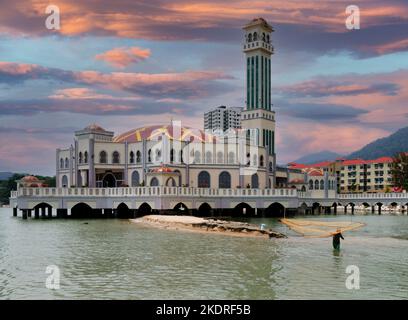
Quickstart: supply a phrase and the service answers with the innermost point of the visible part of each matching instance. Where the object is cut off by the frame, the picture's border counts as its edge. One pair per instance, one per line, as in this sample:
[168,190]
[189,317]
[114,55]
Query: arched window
[135,179]
[103,157]
[197,156]
[80,157]
[261,161]
[171,182]
[208,157]
[250,37]
[316,186]
[66,163]
[263,37]
[267,38]
[132,157]
[149,155]
[171,155]
[220,157]
[255,36]
[64,181]
[179,177]
[158,155]
[138,156]
[255,181]
[204,179]
[303,189]
[270,167]
[61,163]
[115,157]
[310,184]
[86,157]
[154,182]
[231,157]
[321,184]
[224,180]
[181,156]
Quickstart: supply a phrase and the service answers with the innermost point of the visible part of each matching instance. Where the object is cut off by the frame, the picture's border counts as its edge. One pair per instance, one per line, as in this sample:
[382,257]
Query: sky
[127,63]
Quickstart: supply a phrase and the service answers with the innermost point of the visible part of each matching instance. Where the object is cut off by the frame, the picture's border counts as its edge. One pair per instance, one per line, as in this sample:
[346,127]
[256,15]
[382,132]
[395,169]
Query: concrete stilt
[352,210]
[379,210]
[24,214]
[372,209]
[50,212]
[37,213]
[29,213]
[14,212]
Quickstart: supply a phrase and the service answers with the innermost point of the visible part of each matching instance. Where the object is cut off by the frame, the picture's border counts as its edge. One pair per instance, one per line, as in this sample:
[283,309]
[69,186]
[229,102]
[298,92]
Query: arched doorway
[154,182]
[243,210]
[276,209]
[44,209]
[81,211]
[255,181]
[135,179]
[181,208]
[109,181]
[204,210]
[64,181]
[171,182]
[124,212]
[144,209]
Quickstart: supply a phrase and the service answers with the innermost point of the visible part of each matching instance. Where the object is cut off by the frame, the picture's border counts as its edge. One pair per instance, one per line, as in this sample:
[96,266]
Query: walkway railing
[153,192]
[373,196]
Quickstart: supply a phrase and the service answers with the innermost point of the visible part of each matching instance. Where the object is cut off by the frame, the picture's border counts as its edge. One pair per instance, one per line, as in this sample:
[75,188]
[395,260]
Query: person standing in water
[336,239]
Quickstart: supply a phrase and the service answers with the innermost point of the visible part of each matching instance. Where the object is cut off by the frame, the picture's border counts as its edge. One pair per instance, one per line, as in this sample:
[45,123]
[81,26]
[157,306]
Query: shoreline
[206,225]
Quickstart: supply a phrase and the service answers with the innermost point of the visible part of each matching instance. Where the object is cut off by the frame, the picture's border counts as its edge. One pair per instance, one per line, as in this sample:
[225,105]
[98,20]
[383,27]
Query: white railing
[390,195]
[153,192]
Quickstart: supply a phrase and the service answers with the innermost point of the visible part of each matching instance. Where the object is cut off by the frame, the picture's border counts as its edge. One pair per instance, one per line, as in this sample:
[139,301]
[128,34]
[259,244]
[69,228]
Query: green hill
[385,147]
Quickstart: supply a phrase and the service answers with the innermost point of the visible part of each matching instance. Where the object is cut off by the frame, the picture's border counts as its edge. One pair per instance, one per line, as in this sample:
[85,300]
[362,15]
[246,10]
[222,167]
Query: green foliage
[400,170]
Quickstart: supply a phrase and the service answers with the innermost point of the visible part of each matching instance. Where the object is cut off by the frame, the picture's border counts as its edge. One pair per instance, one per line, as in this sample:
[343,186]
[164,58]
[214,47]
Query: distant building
[357,175]
[222,119]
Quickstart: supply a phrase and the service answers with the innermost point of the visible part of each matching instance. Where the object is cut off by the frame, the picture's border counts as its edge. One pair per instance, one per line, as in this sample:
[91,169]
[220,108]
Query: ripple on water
[111,259]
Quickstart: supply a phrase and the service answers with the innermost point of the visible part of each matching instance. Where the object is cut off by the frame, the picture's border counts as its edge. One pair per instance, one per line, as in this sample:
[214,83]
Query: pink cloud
[123,57]
[300,138]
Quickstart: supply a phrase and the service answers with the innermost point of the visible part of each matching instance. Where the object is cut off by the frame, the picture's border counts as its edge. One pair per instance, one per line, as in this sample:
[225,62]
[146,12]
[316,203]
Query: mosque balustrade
[152,192]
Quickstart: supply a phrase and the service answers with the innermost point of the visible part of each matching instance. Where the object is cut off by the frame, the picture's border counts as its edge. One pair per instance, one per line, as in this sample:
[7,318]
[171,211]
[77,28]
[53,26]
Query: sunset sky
[128,63]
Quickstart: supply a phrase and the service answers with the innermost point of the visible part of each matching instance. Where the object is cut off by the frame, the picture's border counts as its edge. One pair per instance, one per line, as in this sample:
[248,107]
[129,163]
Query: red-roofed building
[356,175]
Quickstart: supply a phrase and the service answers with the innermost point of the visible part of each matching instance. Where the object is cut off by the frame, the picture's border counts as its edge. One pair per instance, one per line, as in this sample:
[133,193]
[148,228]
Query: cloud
[297,138]
[87,94]
[187,85]
[316,25]
[320,112]
[123,57]
[326,86]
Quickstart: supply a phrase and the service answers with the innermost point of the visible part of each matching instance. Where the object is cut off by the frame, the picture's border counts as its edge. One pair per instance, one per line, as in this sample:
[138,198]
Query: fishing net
[320,229]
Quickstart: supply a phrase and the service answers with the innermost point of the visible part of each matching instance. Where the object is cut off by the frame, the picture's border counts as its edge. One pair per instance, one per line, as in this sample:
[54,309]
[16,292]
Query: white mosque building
[174,155]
